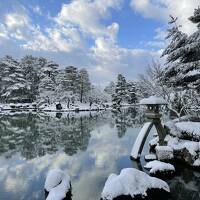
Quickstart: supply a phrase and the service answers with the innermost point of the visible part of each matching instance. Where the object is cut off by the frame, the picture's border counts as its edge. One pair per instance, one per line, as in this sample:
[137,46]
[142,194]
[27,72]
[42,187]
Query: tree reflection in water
[33,135]
[36,135]
[127,118]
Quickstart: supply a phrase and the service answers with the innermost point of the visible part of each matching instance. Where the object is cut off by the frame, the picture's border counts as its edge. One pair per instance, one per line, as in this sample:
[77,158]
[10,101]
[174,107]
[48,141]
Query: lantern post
[153,115]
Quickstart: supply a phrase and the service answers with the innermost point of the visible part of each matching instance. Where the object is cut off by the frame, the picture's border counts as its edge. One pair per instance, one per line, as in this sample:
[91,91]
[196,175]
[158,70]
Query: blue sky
[105,36]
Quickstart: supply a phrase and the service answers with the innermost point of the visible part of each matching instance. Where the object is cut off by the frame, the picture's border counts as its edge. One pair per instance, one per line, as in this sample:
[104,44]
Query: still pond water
[87,146]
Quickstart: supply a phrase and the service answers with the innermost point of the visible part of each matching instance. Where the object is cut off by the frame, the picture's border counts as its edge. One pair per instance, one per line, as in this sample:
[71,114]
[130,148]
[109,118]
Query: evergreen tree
[59,86]
[178,40]
[50,69]
[14,87]
[47,82]
[84,84]
[46,89]
[31,68]
[110,88]
[183,56]
[120,94]
[71,79]
[131,93]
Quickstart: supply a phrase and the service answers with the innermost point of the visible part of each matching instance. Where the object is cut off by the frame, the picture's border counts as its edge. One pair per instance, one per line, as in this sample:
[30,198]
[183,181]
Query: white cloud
[66,37]
[87,16]
[3,32]
[55,39]
[161,9]
[77,21]
[111,59]
[37,10]
[14,20]
[150,9]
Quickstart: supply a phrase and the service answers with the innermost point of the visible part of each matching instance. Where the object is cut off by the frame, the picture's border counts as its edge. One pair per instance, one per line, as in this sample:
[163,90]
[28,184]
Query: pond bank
[54,107]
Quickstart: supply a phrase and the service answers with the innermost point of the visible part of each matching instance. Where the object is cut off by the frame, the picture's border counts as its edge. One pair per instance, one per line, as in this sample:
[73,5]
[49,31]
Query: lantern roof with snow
[153,100]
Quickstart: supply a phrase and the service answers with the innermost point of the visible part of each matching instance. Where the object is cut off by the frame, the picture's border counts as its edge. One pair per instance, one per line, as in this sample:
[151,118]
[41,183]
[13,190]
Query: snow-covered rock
[153,100]
[132,183]
[182,137]
[164,153]
[57,185]
[150,157]
[158,167]
[178,144]
[184,150]
[184,130]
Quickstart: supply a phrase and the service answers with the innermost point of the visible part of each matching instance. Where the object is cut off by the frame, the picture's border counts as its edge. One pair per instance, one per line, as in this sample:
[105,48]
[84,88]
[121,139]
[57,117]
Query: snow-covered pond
[88,146]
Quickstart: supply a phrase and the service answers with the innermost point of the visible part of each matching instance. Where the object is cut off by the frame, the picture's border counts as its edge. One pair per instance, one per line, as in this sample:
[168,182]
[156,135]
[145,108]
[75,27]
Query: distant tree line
[38,79]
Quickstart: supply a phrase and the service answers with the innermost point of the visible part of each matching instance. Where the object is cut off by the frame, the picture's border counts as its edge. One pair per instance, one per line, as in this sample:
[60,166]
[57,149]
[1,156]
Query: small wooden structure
[152,113]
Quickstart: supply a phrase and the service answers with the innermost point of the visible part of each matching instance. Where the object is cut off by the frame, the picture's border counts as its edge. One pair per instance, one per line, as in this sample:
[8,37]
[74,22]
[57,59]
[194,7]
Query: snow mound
[197,163]
[131,182]
[192,128]
[158,166]
[184,130]
[153,100]
[57,184]
[178,144]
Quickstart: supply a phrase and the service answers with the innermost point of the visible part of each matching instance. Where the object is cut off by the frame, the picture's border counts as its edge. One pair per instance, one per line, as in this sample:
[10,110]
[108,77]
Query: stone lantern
[153,104]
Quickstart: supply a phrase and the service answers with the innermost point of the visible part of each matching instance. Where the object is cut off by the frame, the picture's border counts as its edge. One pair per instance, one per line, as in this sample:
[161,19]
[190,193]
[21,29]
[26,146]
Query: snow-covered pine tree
[183,56]
[14,87]
[31,67]
[84,84]
[46,89]
[96,95]
[50,69]
[47,82]
[120,94]
[61,94]
[110,88]
[71,79]
[59,86]
[131,92]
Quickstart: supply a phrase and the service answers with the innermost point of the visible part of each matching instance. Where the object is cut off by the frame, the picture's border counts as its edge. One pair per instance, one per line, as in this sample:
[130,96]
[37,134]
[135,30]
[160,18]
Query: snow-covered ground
[19,106]
[52,107]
